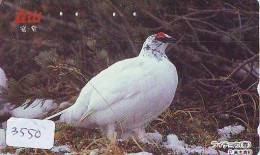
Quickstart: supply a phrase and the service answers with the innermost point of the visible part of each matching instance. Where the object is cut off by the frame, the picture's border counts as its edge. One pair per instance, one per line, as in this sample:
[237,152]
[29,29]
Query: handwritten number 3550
[31,132]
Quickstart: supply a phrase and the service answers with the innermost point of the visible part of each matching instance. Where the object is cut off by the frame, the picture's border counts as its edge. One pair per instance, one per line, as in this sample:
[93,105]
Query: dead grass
[188,118]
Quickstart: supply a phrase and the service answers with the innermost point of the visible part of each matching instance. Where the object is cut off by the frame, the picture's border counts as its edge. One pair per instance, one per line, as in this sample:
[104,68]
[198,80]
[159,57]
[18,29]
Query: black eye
[147,47]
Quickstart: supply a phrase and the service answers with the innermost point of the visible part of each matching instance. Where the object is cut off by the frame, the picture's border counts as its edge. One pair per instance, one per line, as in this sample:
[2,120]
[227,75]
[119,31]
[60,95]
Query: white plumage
[129,94]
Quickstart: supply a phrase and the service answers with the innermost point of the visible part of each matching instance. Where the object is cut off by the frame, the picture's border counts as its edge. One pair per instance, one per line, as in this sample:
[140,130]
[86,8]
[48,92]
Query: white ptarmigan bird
[129,94]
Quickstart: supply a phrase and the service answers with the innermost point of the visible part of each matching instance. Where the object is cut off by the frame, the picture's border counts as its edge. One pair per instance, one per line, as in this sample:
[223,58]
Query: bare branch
[232,74]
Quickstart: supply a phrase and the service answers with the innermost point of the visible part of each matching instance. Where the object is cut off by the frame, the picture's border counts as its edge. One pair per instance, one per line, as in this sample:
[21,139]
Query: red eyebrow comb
[160,35]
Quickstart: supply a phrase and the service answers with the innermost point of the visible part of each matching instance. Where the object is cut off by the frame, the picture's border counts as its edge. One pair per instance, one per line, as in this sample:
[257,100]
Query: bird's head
[156,44]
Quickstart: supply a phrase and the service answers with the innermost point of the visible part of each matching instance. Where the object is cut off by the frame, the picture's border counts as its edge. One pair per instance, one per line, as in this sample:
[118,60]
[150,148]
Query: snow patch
[93,152]
[258,130]
[72,153]
[139,153]
[180,147]
[175,144]
[156,137]
[2,139]
[230,130]
[62,148]
[3,78]
[38,109]
[6,109]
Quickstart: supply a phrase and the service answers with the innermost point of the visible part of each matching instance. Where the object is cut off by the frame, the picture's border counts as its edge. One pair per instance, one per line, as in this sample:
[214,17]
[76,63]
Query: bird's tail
[56,117]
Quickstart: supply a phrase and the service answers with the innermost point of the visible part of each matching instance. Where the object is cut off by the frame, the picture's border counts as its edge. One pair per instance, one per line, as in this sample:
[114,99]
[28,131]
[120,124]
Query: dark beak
[167,40]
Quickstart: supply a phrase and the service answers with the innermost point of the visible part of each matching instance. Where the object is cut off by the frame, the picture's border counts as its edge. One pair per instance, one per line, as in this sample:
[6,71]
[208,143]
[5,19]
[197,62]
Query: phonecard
[129,77]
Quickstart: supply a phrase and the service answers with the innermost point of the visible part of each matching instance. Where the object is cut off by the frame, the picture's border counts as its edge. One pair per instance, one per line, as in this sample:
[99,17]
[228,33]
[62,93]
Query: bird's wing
[120,81]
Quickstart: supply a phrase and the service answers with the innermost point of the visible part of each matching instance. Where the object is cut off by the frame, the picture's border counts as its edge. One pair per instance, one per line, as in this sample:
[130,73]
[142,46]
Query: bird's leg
[143,137]
[110,133]
[140,136]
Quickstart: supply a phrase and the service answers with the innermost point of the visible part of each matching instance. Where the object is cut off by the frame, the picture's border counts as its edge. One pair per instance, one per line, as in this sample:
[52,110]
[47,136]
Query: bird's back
[132,87]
